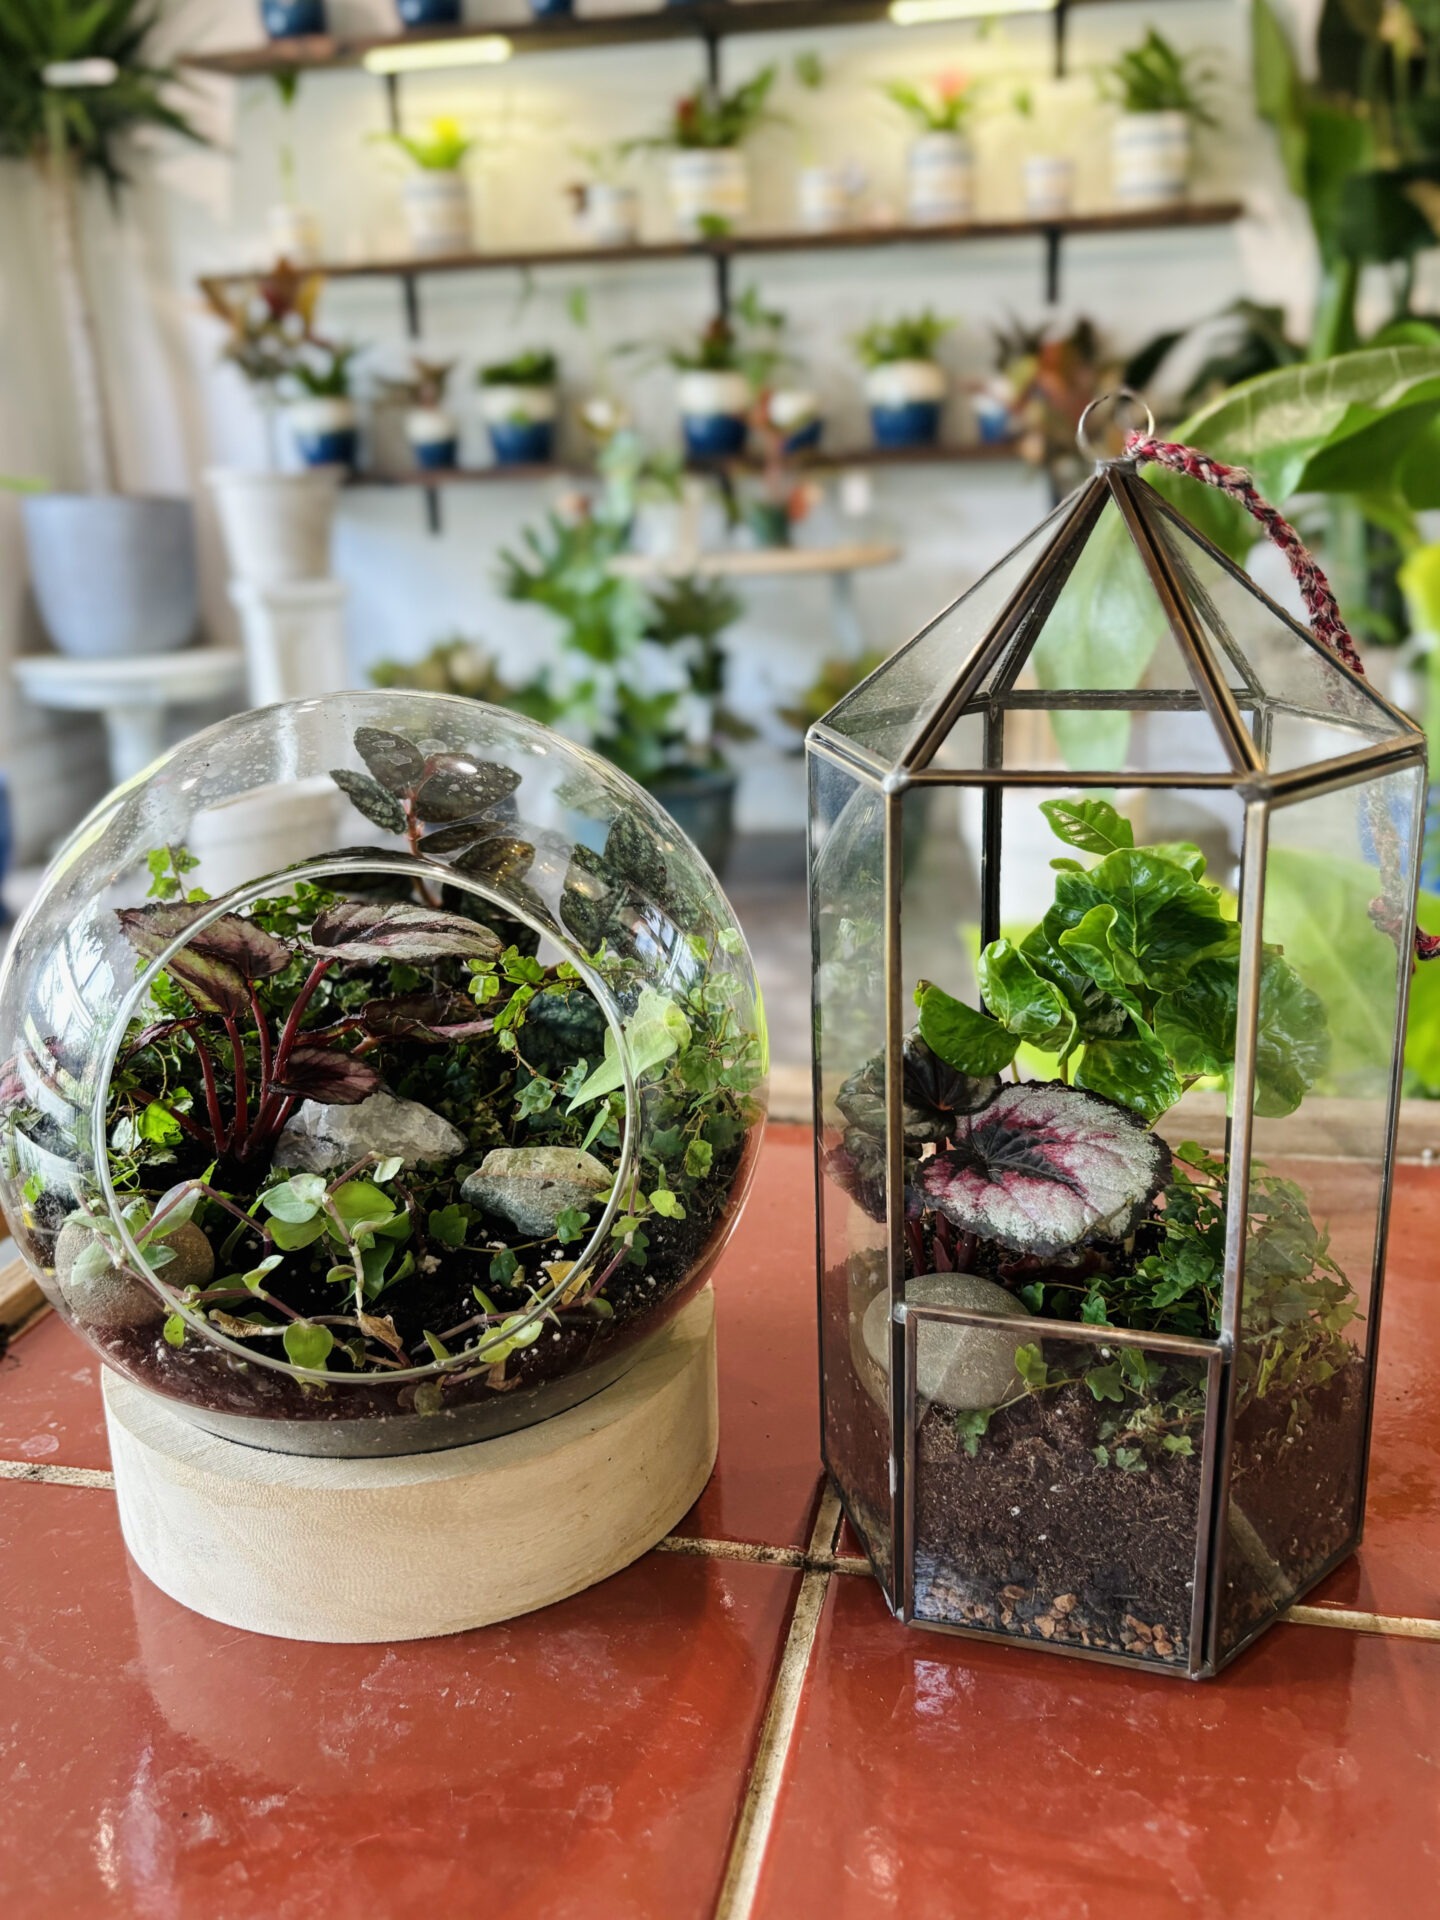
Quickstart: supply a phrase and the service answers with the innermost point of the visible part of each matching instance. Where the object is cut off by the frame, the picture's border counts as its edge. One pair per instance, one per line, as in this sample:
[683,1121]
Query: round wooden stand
[425,1544]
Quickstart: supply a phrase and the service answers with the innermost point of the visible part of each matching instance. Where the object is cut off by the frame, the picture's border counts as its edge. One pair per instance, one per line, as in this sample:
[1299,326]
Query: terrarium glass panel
[1309,708]
[848,891]
[1059,1486]
[379,1072]
[884,711]
[1305,1348]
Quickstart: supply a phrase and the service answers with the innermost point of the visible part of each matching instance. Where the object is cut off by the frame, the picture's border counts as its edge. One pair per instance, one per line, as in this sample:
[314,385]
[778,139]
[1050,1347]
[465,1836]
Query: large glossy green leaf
[1196,1024]
[963,1037]
[1033,1009]
[1164,921]
[1134,1070]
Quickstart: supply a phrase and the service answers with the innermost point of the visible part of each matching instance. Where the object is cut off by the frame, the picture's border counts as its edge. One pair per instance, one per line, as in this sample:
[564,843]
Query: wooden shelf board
[573,469]
[1197,213]
[702,20]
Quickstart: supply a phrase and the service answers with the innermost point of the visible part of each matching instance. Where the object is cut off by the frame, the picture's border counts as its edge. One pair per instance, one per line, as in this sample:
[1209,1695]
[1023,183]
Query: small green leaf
[307,1345]
[295,1200]
[360,1204]
[255,1278]
[1092,825]
[388,1168]
[503,1268]
[964,1038]
[666,1205]
[570,1224]
[1105,1382]
[174,1330]
[290,1238]
[699,1157]
[436,1345]
[655,1031]
[158,1125]
[449,1225]
[971,1428]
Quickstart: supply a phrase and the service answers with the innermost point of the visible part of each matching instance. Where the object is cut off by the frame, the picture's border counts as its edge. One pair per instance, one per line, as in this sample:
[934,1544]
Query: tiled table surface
[733,1726]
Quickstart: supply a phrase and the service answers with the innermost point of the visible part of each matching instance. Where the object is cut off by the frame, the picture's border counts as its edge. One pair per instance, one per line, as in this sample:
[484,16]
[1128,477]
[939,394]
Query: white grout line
[57,1476]
[1400,1626]
[762,1792]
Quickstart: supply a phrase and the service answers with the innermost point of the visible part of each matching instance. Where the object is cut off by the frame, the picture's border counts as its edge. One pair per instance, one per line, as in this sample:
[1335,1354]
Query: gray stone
[318,1137]
[112,1298]
[960,1367]
[532,1186]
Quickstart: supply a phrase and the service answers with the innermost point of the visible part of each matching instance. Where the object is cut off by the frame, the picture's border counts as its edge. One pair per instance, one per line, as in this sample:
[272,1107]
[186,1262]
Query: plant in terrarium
[1055,1196]
[362,1128]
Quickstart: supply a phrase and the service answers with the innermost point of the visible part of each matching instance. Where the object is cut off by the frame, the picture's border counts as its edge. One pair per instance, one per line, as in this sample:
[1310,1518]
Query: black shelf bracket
[1053,238]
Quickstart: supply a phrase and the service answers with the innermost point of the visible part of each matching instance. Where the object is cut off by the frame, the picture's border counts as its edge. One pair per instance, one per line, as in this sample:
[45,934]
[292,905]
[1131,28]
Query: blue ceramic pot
[292,19]
[915,423]
[435,455]
[428,13]
[805,439]
[522,443]
[713,436]
[336,447]
[552,9]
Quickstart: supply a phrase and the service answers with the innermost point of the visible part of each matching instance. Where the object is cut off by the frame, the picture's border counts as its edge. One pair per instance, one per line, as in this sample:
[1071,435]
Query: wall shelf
[707,21]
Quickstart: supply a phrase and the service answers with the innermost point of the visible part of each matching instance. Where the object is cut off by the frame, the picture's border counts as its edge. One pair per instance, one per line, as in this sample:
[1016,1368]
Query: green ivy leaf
[971,1428]
[570,1224]
[503,1268]
[965,1039]
[1092,825]
[449,1225]
[699,1157]
[1105,1382]
[307,1345]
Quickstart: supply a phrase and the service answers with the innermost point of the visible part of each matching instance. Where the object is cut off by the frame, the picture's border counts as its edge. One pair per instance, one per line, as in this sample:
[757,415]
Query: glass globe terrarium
[379,1072]
[1106,1093]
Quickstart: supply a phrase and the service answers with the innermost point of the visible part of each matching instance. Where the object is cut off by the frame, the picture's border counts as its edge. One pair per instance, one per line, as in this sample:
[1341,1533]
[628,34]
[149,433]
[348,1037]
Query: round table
[131,694]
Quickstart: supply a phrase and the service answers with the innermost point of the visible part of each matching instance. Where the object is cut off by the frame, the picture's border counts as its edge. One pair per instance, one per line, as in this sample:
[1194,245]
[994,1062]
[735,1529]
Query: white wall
[177,412]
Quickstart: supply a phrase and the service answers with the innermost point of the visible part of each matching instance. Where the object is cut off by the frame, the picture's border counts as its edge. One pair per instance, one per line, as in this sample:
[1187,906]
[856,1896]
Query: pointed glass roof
[1113,609]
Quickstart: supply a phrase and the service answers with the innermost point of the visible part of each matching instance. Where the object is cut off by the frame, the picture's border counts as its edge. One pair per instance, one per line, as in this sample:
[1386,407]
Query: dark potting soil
[1032,1536]
[678,1260]
[1294,1497]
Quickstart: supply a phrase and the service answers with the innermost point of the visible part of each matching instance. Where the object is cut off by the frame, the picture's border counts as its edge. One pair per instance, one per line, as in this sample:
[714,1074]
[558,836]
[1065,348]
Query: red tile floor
[732,1727]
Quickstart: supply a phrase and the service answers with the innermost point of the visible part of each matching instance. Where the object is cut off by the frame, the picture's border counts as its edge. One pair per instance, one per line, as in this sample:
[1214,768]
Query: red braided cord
[1326,621]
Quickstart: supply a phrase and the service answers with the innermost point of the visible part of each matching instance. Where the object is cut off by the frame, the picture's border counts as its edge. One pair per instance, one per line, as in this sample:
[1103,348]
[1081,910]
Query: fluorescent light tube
[482,50]
[920,13]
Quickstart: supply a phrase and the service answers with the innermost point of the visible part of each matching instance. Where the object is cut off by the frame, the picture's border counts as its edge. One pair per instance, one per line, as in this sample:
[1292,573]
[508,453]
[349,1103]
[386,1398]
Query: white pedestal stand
[131,694]
[294,637]
[425,1544]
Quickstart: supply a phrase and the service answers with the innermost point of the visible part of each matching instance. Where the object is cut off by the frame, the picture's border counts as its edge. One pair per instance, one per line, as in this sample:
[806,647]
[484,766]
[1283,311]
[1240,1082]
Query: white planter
[433,434]
[113,574]
[903,383]
[707,183]
[1049,186]
[437,212]
[611,216]
[939,179]
[702,394]
[295,235]
[324,430]
[823,198]
[276,526]
[517,406]
[1150,159]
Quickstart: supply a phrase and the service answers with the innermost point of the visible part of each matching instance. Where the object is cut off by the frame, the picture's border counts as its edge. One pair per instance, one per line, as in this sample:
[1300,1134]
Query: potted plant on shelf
[75,84]
[939,164]
[733,358]
[1048,177]
[706,174]
[436,194]
[276,526]
[294,229]
[323,419]
[904,383]
[431,429]
[782,498]
[292,19]
[1161,94]
[518,403]
[428,13]
[606,206]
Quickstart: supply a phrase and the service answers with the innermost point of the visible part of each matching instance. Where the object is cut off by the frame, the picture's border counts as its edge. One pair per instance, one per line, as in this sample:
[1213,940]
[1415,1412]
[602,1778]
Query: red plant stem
[275,1105]
[915,1239]
[414,827]
[242,1088]
[262,1029]
[212,1096]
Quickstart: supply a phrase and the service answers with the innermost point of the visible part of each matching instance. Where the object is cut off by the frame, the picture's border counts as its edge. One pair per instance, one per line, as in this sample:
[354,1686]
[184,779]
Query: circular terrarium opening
[359,1132]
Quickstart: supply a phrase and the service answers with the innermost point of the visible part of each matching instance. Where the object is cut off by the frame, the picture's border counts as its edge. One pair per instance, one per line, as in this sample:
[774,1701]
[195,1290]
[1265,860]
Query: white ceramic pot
[823,198]
[1049,186]
[519,406]
[437,212]
[433,434]
[276,526]
[611,216]
[901,383]
[1150,159]
[939,179]
[325,430]
[707,183]
[113,575]
[713,412]
[294,235]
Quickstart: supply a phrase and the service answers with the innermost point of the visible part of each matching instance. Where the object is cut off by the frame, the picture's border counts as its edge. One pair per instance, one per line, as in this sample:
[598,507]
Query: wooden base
[426,1544]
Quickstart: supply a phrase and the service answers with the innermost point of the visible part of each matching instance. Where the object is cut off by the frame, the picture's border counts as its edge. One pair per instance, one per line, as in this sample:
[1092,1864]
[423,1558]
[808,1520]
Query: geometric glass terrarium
[379,1073]
[1105,1119]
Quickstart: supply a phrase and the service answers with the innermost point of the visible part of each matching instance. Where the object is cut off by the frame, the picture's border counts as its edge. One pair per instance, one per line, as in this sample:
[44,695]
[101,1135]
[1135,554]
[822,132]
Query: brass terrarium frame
[1242,716]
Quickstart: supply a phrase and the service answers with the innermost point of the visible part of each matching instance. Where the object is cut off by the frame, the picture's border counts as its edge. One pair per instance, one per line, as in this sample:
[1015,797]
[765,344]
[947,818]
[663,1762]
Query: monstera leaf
[1043,1166]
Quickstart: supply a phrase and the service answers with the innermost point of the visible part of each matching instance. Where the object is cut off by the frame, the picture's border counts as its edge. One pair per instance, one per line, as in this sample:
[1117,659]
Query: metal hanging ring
[1118,399]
